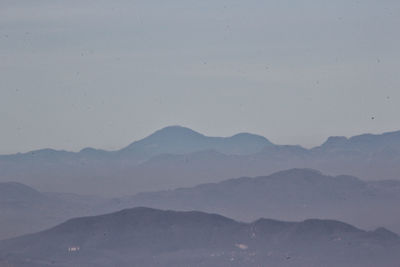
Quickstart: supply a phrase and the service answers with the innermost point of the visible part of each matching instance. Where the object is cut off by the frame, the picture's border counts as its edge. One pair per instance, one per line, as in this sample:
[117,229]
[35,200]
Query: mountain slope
[17,193]
[363,143]
[149,237]
[24,210]
[177,156]
[294,194]
[181,140]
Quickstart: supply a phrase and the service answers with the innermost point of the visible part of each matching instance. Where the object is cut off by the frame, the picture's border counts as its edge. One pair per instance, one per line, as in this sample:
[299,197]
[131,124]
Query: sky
[82,73]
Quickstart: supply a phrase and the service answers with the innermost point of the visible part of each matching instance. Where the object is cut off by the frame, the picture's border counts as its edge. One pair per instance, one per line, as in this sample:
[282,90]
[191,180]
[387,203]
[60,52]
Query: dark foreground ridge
[151,237]
[291,195]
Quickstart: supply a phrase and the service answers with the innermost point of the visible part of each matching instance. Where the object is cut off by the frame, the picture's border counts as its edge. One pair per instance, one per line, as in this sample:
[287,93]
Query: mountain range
[295,194]
[291,195]
[180,157]
[25,210]
[151,237]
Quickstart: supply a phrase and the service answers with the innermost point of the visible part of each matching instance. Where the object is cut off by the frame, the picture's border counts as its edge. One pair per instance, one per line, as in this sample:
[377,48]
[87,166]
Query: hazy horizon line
[112,149]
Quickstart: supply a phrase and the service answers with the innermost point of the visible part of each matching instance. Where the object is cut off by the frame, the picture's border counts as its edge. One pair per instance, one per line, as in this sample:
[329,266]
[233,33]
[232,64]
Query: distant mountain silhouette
[24,210]
[176,156]
[363,143]
[295,194]
[150,237]
[181,140]
[17,193]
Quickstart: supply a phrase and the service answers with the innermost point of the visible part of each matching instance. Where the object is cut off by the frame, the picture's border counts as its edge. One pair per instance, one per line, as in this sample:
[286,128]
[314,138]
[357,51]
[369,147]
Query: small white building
[73,249]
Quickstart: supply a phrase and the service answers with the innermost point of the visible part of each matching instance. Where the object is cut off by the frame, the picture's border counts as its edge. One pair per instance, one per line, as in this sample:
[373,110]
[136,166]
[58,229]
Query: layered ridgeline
[296,194]
[25,210]
[150,237]
[177,156]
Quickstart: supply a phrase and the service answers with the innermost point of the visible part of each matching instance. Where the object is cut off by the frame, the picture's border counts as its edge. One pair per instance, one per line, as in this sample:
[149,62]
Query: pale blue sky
[105,73]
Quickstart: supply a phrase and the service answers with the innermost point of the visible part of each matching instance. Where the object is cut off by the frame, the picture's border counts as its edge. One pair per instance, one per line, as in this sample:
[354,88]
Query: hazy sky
[105,73]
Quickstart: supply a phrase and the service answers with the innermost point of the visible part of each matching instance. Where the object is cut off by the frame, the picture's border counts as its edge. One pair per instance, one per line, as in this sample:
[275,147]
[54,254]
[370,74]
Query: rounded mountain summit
[182,140]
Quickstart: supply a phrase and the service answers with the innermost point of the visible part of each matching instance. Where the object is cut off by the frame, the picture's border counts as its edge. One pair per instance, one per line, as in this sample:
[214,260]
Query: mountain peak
[175,131]
[363,142]
[251,137]
[13,191]
[334,141]
[182,140]
[385,234]
[298,172]
[154,237]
